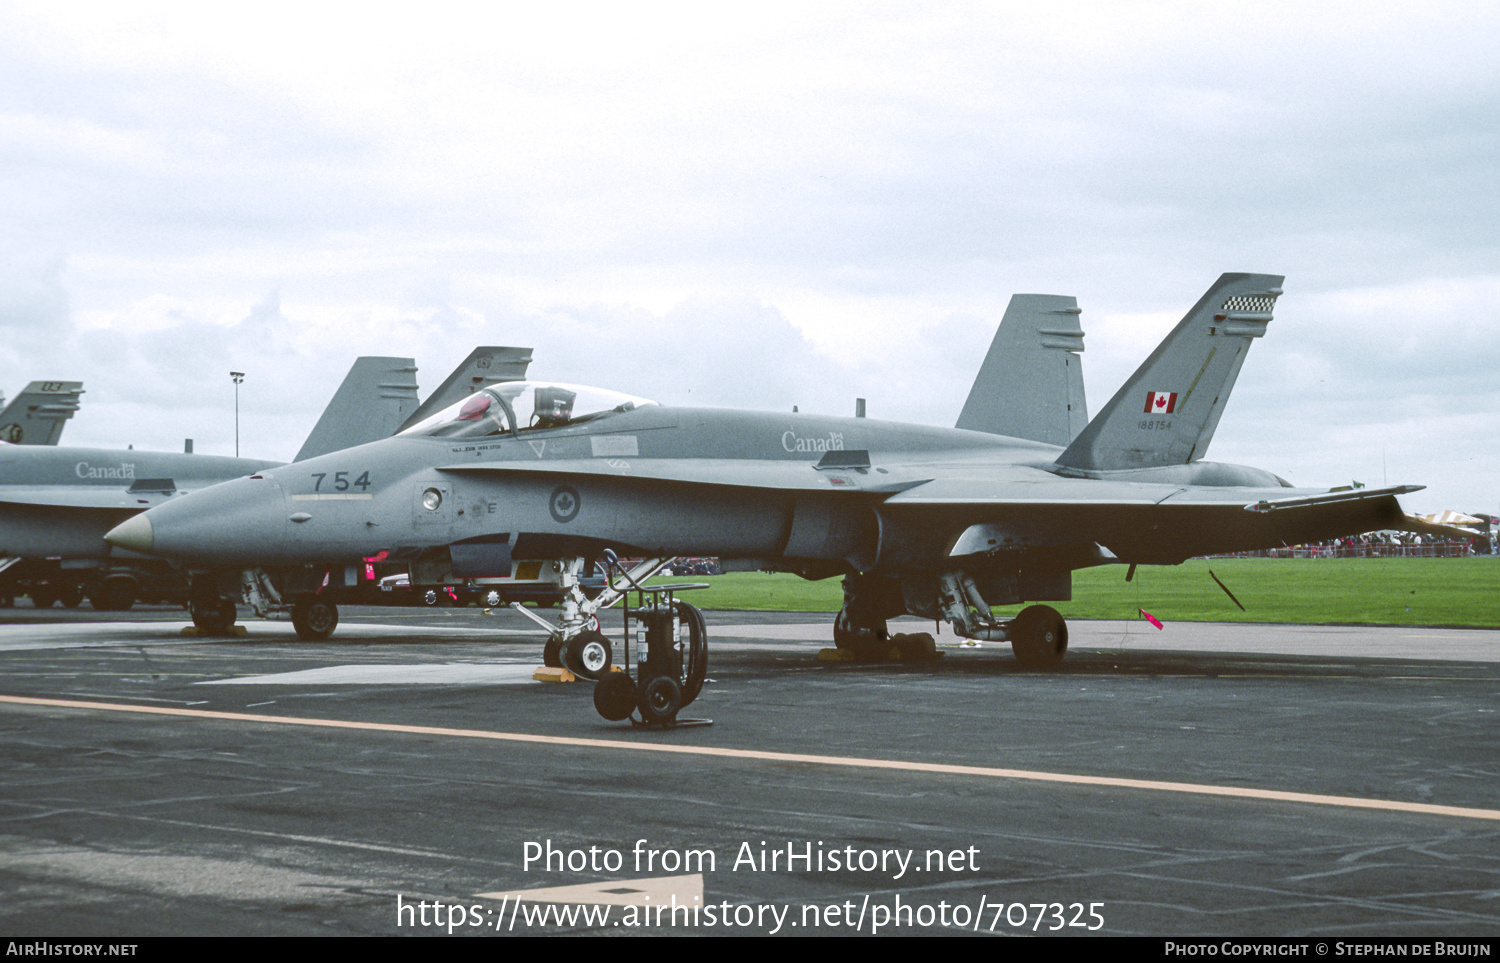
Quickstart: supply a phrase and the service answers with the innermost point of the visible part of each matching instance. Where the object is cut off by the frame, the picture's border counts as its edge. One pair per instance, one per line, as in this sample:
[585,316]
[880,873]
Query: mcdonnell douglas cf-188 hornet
[56,504]
[934,522]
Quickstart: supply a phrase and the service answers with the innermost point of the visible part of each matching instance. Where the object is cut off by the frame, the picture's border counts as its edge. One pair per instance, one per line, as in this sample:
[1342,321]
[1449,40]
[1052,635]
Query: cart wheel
[614,696]
[660,700]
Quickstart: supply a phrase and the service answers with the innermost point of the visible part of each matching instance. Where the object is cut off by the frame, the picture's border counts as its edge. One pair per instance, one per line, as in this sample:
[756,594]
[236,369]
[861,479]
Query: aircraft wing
[974,511]
[728,472]
[1140,522]
[81,496]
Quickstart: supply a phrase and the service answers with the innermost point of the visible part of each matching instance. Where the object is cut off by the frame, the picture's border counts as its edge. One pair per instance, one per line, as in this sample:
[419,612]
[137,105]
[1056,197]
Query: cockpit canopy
[523,406]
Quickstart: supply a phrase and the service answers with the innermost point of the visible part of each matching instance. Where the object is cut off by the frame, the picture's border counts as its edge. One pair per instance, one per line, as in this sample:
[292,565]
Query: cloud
[753,207]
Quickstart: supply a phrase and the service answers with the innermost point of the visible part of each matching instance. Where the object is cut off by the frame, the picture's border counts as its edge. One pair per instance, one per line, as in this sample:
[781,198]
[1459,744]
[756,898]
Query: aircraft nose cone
[134,534]
[223,525]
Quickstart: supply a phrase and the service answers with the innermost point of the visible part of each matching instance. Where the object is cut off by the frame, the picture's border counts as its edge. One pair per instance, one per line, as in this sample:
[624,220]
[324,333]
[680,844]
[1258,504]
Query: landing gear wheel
[314,618]
[1039,637]
[615,696]
[659,700]
[216,618]
[588,655]
[552,653]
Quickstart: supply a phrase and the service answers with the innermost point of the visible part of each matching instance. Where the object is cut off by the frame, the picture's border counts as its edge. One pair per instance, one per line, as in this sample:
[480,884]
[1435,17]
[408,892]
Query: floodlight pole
[238,376]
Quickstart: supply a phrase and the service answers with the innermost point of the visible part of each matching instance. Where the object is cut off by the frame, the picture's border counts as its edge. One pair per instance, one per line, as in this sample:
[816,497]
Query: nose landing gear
[670,636]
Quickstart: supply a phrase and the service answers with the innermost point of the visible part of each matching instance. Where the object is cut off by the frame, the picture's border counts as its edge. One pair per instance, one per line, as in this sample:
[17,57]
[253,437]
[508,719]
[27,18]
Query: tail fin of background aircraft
[376,396]
[36,416]
[1031,383]
[1167,412]
[483,366]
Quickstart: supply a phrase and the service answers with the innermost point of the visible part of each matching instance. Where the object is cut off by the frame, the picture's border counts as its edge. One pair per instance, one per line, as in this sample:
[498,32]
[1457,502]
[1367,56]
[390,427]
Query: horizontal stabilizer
[376,396]
[1167,412]
[36,415]
[1343,495]
[1031,383]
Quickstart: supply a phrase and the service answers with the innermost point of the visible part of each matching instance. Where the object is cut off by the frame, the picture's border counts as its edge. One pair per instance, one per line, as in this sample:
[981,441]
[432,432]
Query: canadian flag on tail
[1160,402]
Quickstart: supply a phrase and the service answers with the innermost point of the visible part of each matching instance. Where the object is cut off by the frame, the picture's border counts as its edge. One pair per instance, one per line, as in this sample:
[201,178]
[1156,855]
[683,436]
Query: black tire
[43,596]
[314,618]
[615,696]
[588,655]
[71,595]
[659,700]
[695,667]
[552,653]
[217,618]
[1039,637]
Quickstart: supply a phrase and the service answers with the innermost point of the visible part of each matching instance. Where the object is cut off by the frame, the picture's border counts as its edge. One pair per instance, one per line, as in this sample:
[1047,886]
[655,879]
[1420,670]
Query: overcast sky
[757,207]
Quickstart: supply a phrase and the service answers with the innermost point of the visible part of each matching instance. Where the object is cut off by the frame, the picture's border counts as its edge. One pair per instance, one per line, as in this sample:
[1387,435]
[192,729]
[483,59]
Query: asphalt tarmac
[408,777]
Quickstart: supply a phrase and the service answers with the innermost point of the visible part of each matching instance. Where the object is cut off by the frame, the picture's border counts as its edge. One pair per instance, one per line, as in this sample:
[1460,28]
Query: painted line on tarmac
[850,762]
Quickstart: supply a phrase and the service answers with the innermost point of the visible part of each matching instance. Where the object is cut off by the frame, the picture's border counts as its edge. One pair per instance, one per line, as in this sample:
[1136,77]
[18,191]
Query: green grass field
[1375,591]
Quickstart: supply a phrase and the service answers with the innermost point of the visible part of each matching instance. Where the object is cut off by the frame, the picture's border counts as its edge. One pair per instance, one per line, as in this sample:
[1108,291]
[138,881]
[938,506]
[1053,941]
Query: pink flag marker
[1150,618]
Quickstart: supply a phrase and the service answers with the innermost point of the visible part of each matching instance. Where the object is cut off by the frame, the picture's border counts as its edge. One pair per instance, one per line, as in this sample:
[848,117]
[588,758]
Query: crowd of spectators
[1377,545]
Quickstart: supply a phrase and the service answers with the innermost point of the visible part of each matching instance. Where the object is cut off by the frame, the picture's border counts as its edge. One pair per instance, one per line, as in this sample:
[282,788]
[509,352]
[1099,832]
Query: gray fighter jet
[935,522]
[36,416]
[56,504]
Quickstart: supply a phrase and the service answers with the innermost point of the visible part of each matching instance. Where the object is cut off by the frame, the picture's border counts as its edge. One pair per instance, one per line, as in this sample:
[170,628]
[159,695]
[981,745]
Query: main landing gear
[1039,637]
[314,618]
[1038,634]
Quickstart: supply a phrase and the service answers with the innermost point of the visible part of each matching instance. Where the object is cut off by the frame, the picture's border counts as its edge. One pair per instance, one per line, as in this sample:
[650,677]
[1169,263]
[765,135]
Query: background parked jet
[56,504]
[36,416]
[934,522]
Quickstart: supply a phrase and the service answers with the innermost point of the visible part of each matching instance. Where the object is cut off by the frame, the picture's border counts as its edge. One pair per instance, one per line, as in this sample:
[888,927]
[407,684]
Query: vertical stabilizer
[1031,383]
[483,366]
[1167,412]
[37,414]
[376,396]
